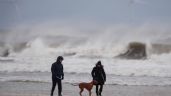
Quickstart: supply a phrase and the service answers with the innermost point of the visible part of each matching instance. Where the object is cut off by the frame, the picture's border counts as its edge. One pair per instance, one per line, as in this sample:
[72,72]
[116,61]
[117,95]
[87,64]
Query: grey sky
[14,12]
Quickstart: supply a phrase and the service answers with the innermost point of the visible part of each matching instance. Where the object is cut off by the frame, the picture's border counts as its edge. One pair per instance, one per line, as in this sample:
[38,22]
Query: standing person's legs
[101,89]
[97,90]
[53,86]
[59,87]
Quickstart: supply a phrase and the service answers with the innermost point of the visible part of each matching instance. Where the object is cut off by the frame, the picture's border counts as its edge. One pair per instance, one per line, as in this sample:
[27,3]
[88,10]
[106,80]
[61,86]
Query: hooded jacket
[57,70]
[99,75]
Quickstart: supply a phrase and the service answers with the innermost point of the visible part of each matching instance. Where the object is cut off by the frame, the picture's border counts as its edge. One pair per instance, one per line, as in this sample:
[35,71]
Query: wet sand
[43,89]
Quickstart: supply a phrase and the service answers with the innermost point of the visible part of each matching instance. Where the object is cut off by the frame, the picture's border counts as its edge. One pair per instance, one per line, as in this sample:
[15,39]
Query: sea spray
[82,50]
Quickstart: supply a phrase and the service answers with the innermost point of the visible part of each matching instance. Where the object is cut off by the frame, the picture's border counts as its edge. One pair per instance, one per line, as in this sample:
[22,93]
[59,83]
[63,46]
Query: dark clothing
[58,81]
[99,75]
[99,91]
[57,70]
[57,76]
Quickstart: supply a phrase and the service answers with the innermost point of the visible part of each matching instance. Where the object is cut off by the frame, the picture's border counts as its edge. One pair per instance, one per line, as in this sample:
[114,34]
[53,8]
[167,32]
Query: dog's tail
[74,84]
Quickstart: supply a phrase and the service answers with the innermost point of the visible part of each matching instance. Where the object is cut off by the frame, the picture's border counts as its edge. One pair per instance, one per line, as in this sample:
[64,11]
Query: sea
[30,54]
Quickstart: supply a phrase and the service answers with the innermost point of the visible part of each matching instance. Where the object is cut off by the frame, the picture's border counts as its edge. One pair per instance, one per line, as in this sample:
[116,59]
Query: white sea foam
[154,66]
[81,52]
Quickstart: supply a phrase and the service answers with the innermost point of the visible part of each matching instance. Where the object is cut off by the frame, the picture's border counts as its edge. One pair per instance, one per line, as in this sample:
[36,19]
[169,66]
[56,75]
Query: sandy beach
[43,89]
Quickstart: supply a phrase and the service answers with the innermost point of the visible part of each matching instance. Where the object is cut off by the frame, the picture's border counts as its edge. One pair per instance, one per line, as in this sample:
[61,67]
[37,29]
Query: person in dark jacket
[99,75]
[57,75]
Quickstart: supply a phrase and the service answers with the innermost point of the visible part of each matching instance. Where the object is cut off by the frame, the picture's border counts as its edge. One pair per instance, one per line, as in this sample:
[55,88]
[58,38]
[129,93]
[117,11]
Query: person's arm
[104,75]
[62,72]
[93,73]
[53,69]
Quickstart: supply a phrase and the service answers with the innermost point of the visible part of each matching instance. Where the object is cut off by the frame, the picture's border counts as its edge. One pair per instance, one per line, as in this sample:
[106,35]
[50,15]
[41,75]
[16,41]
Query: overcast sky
[14,12]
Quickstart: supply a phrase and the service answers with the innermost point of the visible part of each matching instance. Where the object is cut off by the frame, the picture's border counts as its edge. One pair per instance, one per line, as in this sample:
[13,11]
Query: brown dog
[87,86]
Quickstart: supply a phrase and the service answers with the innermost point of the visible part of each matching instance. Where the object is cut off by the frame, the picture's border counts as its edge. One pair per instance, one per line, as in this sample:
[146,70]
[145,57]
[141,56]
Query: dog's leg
[81,90]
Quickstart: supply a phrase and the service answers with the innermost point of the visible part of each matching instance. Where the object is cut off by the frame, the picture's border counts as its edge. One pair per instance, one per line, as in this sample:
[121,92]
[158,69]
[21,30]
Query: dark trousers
[58,81]
[99,90]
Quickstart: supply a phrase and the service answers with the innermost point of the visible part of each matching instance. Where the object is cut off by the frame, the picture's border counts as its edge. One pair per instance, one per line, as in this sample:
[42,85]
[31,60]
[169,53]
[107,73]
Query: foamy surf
[37,51]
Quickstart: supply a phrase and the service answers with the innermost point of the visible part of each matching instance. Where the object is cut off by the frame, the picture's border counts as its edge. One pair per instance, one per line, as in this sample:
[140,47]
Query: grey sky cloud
[138,1]
[15,12]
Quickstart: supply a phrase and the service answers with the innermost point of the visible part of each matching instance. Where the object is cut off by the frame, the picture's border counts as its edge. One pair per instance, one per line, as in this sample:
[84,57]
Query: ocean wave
[39,77]
[38,56]
[28,81]
[71,46]
[160,48]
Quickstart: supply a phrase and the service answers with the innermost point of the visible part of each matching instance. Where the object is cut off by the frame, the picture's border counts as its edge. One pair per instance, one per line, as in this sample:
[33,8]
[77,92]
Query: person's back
[57,70]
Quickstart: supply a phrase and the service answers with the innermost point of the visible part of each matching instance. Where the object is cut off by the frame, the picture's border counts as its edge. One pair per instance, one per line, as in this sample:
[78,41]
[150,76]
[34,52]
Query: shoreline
[43,89]
[76,78]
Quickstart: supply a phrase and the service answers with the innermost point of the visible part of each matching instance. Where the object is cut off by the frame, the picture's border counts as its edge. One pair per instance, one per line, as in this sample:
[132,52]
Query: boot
[59,94]
[97,94]
[100,94]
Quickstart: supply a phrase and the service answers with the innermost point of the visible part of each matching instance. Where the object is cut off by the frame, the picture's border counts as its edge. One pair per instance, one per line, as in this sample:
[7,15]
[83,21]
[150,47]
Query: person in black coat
[99,75]
[57,75]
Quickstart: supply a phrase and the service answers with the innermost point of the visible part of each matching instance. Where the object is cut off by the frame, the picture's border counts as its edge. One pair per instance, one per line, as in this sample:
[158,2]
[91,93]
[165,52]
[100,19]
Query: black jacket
[57,70]
[99,75]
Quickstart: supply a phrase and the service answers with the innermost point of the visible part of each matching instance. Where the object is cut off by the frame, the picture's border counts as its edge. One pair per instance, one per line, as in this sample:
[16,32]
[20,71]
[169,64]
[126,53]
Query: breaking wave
[83,48]
[79,48]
